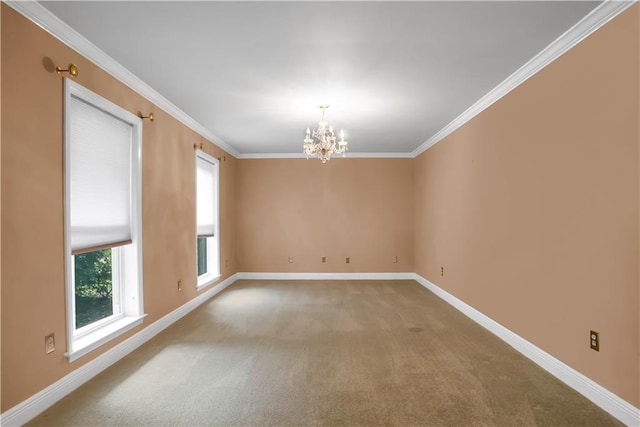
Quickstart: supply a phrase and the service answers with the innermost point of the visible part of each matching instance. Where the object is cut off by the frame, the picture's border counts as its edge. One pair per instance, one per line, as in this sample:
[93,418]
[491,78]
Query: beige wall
[532,208]
[32,206]
[357,208]
[0,205]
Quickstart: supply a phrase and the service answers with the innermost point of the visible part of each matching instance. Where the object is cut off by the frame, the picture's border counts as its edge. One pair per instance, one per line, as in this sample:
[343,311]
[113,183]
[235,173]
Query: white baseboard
[30,408]
[616,406]
[326,276]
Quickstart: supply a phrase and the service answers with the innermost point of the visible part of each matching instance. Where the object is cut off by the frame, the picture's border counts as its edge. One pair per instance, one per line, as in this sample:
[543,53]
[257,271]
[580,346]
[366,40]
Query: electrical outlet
[347,260]
[324,259]
[442,271]
[290,260]
[395,259]
[179,285]
[49,343]
[595,340]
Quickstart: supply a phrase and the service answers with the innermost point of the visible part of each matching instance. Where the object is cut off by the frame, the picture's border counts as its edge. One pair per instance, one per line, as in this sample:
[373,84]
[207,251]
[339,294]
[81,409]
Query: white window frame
[116,283]
[213,243]
[126,260]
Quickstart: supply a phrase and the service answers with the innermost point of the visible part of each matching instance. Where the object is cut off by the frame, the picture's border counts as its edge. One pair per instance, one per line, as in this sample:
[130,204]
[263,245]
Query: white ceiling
[254,73]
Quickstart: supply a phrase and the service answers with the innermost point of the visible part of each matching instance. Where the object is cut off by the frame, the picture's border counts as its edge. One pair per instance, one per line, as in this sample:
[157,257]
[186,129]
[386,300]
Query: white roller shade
[205,197]
[100,177]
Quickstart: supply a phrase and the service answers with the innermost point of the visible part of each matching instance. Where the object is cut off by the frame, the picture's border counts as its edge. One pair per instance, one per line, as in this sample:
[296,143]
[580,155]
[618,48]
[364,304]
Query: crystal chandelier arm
[322,141]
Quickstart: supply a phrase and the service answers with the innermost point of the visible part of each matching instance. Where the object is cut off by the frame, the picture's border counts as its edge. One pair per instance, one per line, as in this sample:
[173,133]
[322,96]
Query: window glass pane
[93,286]
[202,255]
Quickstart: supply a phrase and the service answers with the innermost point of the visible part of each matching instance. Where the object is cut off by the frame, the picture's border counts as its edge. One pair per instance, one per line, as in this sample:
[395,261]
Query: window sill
[93,340]
[207,280]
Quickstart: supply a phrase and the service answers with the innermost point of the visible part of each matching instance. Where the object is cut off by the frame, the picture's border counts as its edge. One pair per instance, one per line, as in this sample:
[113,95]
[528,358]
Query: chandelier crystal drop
[322,142]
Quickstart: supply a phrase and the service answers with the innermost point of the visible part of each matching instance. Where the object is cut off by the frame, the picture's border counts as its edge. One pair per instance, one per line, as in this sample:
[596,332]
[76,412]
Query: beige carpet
[300,353]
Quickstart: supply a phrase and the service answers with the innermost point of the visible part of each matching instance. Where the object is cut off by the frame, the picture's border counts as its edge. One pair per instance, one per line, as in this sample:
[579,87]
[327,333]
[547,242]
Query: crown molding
[46,20]
[272,156]
[599,16]
[303,156]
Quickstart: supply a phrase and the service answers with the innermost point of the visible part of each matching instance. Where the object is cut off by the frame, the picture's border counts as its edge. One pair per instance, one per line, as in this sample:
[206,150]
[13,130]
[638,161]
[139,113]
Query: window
[207,241]
[102,220]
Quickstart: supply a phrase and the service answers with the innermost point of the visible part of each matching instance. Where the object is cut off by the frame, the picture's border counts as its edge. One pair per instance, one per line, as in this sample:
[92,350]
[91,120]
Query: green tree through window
[202,256]
[94,291]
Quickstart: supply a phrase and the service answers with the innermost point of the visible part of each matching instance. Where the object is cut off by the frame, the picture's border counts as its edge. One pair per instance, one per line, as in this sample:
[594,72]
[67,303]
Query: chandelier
[325,140]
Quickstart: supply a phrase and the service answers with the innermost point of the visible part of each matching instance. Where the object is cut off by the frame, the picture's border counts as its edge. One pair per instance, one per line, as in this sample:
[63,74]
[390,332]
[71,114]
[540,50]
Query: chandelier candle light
[325,144]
